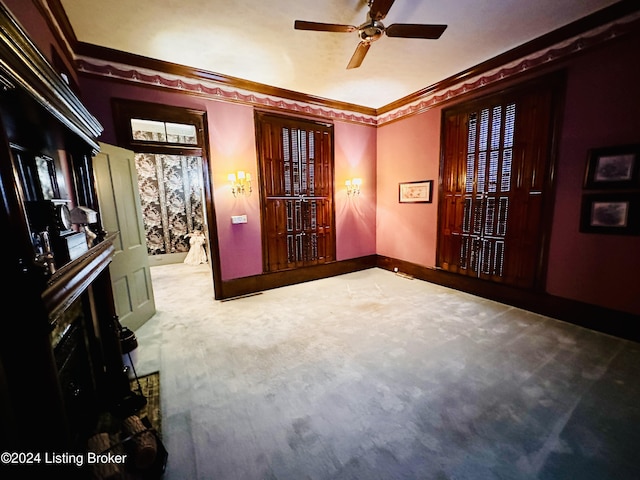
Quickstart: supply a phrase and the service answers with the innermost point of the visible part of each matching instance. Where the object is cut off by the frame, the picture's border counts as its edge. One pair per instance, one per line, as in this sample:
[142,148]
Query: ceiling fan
[373,29]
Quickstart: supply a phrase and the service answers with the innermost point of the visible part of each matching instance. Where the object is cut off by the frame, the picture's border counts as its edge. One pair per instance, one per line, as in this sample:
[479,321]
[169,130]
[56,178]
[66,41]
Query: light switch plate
[236,219]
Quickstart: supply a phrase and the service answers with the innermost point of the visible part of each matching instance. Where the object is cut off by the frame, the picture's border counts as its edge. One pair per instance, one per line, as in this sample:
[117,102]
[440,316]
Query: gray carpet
[373,376]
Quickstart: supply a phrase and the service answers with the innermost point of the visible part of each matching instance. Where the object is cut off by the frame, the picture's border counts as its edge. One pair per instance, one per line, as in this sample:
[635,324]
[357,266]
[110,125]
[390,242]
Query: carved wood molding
[23,65]
[506,67]
[72,280]
[551,49]
[257,283]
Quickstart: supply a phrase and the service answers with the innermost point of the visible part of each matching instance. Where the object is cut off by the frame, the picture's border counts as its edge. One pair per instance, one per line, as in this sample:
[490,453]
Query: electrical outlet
[236,219]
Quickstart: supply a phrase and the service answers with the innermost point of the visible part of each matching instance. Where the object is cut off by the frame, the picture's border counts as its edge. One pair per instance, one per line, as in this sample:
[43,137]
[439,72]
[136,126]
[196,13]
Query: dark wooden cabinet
[60,357]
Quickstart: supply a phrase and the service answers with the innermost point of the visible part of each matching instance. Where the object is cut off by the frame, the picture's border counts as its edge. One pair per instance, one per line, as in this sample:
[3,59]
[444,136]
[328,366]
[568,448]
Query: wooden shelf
[69,282]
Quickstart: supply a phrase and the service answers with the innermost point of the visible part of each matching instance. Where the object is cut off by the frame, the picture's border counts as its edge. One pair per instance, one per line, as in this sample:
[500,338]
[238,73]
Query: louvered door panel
[490,221]
[452,203]
[531,162]
[297,194]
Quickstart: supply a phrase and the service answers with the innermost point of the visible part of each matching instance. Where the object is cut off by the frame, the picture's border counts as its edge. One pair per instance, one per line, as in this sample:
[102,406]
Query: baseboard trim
[267,281]
[612,322]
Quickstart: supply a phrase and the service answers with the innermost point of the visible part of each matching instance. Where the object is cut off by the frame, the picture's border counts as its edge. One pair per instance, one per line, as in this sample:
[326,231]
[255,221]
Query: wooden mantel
[60,358]
[69,282]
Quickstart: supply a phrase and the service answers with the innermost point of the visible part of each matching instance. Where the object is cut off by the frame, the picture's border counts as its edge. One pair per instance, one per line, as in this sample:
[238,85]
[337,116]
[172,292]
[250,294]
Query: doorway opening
[172,166]
[172,199]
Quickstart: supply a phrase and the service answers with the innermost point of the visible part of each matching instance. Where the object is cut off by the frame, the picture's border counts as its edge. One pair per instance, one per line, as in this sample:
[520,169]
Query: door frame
[555,83]
[125,109]
[295,122]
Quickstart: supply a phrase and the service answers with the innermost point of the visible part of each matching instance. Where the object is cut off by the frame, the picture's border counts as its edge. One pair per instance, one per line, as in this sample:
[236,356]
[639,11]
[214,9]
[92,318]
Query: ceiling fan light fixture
[371,31]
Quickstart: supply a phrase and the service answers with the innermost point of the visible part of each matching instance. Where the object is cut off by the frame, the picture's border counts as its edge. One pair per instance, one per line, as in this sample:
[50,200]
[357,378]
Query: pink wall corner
[408,150]
[233,147]
[355,157]
[232,137]
[601,109]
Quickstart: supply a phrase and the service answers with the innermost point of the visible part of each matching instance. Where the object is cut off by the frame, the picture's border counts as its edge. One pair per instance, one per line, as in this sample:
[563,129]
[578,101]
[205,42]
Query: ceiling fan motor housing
[371,31]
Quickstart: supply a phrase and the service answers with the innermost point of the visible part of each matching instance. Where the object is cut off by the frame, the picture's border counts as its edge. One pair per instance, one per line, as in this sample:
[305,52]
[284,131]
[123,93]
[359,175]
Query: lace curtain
[172,200]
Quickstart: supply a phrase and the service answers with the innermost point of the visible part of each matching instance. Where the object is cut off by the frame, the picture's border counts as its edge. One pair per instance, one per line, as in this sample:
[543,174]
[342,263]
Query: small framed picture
[610,213]
[416,192]
[613,167]
[47,176]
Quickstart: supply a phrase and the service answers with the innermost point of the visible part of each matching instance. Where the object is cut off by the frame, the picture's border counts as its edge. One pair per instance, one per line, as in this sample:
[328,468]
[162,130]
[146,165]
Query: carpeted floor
[370,376]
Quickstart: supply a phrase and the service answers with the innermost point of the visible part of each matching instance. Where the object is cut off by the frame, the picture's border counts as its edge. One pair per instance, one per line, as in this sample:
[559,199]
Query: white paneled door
[119,200]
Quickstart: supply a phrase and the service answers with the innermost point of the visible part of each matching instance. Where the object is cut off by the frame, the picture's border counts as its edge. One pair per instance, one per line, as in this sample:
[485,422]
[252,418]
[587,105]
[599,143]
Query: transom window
[155,131]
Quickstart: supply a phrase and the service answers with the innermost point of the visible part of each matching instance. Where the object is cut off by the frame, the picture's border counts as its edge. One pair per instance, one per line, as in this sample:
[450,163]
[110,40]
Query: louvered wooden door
[296,168]
[495,172]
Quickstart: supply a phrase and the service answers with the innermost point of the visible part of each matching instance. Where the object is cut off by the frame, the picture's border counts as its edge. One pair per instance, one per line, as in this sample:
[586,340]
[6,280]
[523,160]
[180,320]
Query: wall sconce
[240,183]
[353,186]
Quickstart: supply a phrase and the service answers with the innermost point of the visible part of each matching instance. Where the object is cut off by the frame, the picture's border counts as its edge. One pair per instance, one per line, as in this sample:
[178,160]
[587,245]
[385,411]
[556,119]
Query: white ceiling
[255,40]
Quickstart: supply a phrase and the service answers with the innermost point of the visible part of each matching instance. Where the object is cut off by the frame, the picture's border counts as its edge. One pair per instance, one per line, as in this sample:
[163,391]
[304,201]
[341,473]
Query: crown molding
[195,75]
[454,87]
[604,25]
[600,19]
[216,90]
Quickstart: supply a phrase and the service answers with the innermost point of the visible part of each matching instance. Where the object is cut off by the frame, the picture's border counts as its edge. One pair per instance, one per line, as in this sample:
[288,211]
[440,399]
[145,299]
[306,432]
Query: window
[487,187]
[296,165]
[169,156]
[153,128]
[496,178]
[154,131]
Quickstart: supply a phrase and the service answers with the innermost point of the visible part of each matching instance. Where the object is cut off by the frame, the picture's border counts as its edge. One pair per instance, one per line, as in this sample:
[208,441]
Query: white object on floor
[197,253]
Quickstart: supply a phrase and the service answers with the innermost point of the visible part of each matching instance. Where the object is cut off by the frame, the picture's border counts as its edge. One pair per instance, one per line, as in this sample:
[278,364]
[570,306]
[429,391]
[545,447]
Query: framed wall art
[416,192]
[615,213]
[613,167]
[47,175]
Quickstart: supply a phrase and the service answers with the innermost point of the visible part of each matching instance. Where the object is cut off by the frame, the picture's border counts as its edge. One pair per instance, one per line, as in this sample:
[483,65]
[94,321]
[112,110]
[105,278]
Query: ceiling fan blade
[379,9]
[323,27]
[358,55]
[414,30]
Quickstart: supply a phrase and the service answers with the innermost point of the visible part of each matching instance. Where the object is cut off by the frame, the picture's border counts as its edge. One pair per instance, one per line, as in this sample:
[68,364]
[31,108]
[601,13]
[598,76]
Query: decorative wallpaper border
[557,52]
[215,91]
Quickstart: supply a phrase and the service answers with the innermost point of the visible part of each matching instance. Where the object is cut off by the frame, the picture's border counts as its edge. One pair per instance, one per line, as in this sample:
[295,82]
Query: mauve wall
[602,107]
[232,147]
[355,157]
[408,150]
